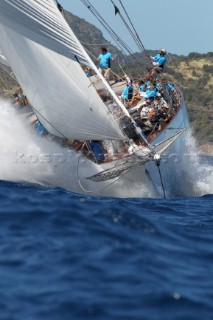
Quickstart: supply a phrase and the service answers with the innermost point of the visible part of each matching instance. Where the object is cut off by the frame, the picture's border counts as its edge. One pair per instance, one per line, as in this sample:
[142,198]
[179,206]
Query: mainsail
[3,59]
[41,49]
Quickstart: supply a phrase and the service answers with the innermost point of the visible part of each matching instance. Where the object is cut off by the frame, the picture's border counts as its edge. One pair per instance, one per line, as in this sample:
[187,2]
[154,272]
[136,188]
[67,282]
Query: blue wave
[68,256]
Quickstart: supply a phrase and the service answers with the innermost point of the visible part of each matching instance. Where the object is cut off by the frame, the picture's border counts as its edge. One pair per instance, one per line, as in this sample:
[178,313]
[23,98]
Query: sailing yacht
[46,58]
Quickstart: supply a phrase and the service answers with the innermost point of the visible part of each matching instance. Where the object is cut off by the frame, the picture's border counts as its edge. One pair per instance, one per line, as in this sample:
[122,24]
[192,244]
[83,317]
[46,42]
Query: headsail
[41,48]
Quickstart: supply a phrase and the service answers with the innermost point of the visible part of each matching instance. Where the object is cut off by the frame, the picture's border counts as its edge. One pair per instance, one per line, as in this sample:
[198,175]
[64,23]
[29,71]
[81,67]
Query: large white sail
[41,48]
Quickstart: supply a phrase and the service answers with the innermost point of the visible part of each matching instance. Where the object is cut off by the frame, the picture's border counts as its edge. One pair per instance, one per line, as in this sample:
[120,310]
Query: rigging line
[132,26]
[149,177]
[98,60]
[128,28]
[57,129]
[46,119]
[161,180]
[137,42]
[111,32]
[101,20]
[104,81]
[136,36]
[121,68]
[111,112]
[97,190]
[138,130]
[96,44]
[95,135]
[92,54]
[116,38]
[3,82]
[132,34]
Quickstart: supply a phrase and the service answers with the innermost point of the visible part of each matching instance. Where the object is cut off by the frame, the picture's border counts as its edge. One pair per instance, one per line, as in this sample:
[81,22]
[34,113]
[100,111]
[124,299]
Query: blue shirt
[171,86]
[105,59]
[97,150]
[159,86]
[147,83]
[161,60]
[151,94]
[88,73]
[142,88]
[40,129]
[127,92]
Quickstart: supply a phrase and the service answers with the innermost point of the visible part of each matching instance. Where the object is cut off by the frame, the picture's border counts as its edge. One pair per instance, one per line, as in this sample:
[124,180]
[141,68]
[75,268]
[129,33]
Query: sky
[180,27]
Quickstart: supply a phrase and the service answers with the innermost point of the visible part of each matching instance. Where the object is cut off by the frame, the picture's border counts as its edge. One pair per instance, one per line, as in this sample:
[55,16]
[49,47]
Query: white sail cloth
[40,48]
[3,59]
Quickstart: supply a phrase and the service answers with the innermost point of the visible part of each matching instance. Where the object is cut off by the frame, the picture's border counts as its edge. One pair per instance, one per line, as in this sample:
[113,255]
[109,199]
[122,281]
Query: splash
[190,171]
[200,168]
[27,157]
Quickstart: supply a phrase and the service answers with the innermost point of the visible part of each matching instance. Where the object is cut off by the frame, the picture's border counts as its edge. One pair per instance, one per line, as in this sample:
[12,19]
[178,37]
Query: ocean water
[68,256]
[64,255]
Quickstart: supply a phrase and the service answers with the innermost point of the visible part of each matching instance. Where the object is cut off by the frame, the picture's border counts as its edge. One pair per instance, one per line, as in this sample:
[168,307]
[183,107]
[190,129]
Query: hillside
[192,73]
[90,36]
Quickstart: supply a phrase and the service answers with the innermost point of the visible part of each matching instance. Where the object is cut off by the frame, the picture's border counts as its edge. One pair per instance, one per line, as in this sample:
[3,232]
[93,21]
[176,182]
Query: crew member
[105,59]
[158,61]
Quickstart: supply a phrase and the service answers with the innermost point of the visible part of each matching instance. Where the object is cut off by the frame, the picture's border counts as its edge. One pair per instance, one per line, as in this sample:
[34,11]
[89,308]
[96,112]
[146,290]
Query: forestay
[41,48]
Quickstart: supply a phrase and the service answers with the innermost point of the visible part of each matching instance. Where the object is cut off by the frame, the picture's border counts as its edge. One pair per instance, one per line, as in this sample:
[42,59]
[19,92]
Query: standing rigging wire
[157,162]
[132,33]
[105,25]
[111,32]
[136,34]
[4,83]
[138,130]
[96,44]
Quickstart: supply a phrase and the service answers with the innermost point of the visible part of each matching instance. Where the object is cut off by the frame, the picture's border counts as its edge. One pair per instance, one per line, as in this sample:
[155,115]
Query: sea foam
[27,157]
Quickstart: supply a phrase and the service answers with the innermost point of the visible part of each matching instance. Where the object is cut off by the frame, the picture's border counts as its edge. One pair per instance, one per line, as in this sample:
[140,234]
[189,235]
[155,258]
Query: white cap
[163,50]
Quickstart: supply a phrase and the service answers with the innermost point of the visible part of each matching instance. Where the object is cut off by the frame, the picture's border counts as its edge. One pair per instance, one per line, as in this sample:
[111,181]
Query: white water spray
[199,168]
[26,156]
